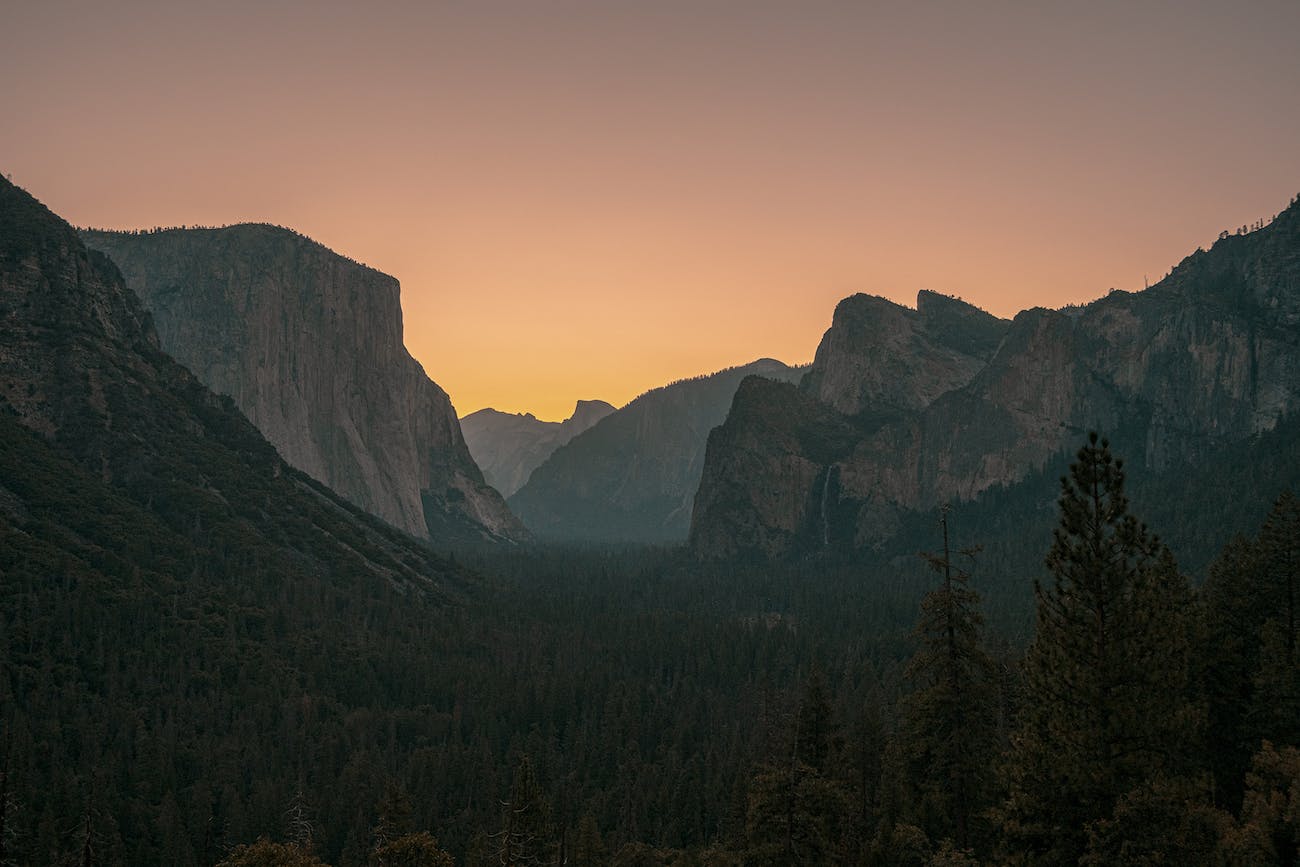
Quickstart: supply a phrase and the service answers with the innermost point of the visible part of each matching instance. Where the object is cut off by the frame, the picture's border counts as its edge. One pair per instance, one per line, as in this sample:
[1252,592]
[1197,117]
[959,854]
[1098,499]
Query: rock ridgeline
[309,345]
[632,476]
[508,446]
[905,409]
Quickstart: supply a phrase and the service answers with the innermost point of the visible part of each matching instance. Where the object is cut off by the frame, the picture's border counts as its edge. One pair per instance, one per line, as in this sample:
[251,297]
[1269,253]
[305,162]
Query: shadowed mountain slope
[509,446]
[633,475]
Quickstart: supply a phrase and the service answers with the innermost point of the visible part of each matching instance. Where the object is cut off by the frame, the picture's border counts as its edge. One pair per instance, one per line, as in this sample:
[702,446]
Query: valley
[266,577]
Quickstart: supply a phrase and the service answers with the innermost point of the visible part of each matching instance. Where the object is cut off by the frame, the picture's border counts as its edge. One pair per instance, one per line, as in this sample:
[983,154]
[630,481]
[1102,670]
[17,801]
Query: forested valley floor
[1091,704]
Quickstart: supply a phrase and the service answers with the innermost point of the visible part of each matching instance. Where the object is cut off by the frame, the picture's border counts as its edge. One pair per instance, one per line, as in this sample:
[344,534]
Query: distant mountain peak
[633,475]
[509,446]
[585,406]
[585,414]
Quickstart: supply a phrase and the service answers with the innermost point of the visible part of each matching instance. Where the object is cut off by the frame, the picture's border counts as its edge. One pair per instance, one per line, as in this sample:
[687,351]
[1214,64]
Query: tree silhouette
[948,717]
[1106,676]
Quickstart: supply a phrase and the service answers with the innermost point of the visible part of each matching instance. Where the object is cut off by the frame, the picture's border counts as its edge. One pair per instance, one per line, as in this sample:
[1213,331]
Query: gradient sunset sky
[589,199]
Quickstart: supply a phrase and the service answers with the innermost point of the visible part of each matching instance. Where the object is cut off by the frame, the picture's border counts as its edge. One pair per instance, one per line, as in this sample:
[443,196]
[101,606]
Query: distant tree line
[162,230]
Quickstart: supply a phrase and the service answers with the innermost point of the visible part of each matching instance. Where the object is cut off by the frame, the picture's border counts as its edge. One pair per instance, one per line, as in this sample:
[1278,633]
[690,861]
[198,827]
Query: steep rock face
[509,446]
[790,441]
[1207,357]
[878,352]
[633,475]
[309,346]
[115,454]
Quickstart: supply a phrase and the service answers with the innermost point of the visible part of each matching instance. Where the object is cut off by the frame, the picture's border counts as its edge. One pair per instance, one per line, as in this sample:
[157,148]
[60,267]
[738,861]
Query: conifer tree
[817,735]
[396,843]
[1274,714]
[1250,662]
[1269,832]
[1280,544]
[589,847]
[395,815]
[301,829]
[867,764]
[1106,704]
[1162,821]
[525,835]
[264,853]
[411,850]
[1228,662]
[797,808]
[6,803]
[948,718]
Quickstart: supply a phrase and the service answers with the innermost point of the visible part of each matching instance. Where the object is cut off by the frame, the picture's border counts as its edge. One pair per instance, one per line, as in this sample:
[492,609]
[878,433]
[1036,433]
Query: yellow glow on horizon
[586,200]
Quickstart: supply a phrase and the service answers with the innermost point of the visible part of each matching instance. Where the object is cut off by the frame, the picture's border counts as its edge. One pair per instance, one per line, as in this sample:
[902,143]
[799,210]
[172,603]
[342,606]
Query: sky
[591,199]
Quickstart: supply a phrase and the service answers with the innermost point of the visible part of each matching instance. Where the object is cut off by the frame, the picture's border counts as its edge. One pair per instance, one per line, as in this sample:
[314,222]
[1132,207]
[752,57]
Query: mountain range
[632,476]
[902,409]
[508,446]
[906,408]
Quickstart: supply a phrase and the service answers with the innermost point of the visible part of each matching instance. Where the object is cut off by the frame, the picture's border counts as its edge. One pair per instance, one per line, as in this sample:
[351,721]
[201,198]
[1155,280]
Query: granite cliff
[309,345]
[509,446]
[878,353]
[632,476]
[904,409]
[115,459]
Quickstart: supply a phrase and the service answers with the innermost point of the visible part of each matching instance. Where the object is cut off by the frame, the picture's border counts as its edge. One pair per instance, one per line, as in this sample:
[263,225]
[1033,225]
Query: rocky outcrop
[633,475]
[777,433]
[508,446]
[943,402]
[309,346]
[878,353]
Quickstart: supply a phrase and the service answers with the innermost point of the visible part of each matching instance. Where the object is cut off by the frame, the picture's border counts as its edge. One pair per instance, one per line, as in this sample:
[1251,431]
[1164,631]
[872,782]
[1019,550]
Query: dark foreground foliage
[625,706]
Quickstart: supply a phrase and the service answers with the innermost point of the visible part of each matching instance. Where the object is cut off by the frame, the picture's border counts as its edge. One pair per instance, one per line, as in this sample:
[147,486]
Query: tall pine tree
[1250,662]
[1106,698]
[797,808]
[1275,711]
[1280,544]
[1227,663]
[525,837]
[948,718]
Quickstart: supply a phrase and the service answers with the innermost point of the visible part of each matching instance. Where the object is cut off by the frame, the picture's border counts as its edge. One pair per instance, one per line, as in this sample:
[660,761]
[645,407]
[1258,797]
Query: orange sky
[589,199]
